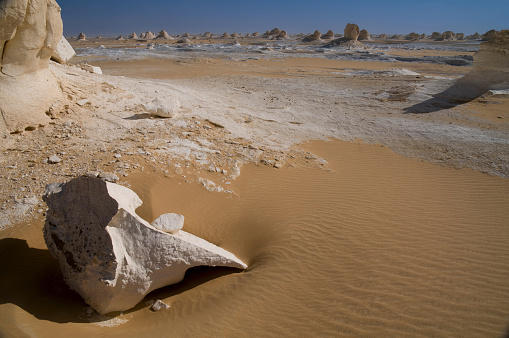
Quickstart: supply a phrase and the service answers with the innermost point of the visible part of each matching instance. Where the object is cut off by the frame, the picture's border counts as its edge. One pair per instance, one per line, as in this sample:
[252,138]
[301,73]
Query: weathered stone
[171,223]
[364,35]
[53,159]
[167,107]
[108,177]
[64,51]
[164,35]
[159,305]
[351,31]
[92,69]
[329,35]
[111,256]
[316,36]
[30,31]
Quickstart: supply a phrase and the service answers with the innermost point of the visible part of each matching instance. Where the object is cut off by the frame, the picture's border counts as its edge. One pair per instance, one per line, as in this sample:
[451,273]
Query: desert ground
[359,210]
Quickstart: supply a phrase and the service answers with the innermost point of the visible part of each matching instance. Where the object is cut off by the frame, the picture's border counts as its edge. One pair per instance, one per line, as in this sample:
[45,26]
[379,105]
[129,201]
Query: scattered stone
[93,174]
[110,255]
[82,102]
[159,305]
[171,223]
[108,177]
[166,108]
[92,69]
[53,159]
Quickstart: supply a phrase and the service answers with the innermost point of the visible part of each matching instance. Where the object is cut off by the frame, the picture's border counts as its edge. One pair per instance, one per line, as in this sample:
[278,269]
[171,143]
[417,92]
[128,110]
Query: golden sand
[374,244]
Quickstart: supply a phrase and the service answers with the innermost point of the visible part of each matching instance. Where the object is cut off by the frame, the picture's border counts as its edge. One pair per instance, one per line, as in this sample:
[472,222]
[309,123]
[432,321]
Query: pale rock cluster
[110,255]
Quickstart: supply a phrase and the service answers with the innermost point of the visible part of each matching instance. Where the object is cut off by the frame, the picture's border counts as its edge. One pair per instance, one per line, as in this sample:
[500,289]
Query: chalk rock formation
[92,69]
[364,35]
[474,36]
[460,36]
[149,36]
[255,34]
[81,37]
[120,38]
[164,35]
[133,35]
[282,35]
[413,36]
[397,37]
[225,35]
[30,31]
[352,32]
[382,36]
[489,35]
[184,40]
[448,36]
[111,256]
[64,51]
[170,222]
[329,35]
[234,35]
[313,37]
[436,35]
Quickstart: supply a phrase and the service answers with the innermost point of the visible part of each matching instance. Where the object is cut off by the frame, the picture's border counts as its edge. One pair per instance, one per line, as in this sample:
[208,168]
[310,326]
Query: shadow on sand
[466,89]
[32,280]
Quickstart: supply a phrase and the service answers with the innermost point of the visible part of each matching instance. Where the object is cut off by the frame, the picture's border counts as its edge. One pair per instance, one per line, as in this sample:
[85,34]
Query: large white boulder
[163,107]
[111,256]
[64,51]
[30,31]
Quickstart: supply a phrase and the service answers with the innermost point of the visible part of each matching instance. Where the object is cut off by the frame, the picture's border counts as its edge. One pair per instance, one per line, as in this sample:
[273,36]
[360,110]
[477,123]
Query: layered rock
[364,35]
[30,31]
[111,256]
[351,32]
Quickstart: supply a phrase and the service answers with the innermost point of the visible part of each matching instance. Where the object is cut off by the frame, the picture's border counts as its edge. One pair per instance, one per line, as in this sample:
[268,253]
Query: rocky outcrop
[412,36]
[81,37]
[364,35]
[133,36]
[225,35]
[351,32]
[475,36]
[163,107]
[120,38]
[316,36]
[489,35]
[111,256]
[382,36]
[329,35]
[349,41]
[448,36]
[30,31]
[282,35]
[64,51]
[255,34]
[397,37]
[460,36]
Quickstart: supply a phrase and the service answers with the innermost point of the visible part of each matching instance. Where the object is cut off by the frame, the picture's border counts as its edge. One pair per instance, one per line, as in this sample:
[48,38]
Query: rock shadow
[138,117]
[31,279]
[466,89]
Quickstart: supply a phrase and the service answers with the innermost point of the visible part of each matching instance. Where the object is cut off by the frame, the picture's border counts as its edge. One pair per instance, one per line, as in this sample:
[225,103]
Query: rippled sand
[373,245]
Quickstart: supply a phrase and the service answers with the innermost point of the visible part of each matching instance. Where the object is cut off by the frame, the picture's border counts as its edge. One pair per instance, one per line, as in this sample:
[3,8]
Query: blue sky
[115,17]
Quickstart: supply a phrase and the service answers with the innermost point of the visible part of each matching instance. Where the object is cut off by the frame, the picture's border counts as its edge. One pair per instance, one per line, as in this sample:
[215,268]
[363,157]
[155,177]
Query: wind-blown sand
[345,238]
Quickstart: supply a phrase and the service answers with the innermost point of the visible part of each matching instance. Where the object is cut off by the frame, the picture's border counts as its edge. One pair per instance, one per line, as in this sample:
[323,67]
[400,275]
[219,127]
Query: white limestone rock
[64,51]
[170,222]
[111,256]
[30,31]
[167,107]
[159,305]
[92,69]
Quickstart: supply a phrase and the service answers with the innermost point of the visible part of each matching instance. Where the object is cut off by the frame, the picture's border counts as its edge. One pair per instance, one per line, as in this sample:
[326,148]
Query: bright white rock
[111,256]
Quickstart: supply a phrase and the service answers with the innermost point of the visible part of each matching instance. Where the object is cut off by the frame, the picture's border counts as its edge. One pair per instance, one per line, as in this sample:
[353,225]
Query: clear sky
[115,17]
